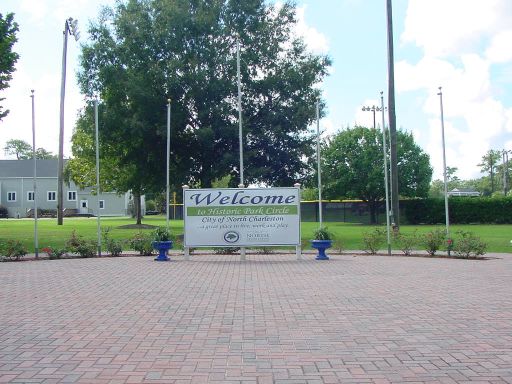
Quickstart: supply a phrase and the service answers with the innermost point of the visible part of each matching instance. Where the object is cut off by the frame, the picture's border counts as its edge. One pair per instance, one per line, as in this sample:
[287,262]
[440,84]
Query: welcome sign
[241,217]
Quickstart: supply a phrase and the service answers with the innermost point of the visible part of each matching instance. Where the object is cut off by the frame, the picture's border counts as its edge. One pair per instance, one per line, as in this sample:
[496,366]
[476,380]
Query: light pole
[318,163]
[444,169]
[36,242]
[96,129]
[71,28]
[167,187]
[388,213]
[373,109]
[240,133]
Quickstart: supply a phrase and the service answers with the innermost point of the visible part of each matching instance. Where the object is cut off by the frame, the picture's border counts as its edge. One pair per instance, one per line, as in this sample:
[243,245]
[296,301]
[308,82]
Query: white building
[17,192]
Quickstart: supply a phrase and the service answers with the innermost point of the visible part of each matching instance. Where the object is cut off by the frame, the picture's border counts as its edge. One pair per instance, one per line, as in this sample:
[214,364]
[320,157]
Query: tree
[19,148]
[23,150]
[145,52]
[8,58]
[437,186]
[488,165]
[353,167]
[42,153]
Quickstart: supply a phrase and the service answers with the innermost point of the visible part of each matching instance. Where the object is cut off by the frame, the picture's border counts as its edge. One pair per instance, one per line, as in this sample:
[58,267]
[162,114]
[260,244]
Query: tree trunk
[137,206]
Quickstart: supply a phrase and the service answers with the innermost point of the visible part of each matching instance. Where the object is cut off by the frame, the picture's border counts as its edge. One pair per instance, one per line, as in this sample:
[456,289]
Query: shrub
[373,240]
[162,234]
[468,244]
[322,234]
[3,211]
[113,246]
[54,253]
[13,250]
[339,245]
[226,250]
[150,205]
[80,246]
[433,240]
[264,250]
[141,242]
[406,241]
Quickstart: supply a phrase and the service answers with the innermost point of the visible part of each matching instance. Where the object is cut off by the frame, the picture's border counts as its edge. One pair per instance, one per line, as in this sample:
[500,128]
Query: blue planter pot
[321,245]
[162,247]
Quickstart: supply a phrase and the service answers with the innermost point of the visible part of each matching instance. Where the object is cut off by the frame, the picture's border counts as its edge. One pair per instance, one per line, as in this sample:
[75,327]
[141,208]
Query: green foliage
[141,53]
[407,242]
[309,194]
[162,234]
[77,244]
[339,245]
[322,234]
[54,253]
[8,58]
[434,240]
[489,164]
[467,244]
[150,205]
[113,246]
[13,250]
[353,166]
[3,211]
[373,240]
[462,210]
[141,242]
[23,150]
[226,250]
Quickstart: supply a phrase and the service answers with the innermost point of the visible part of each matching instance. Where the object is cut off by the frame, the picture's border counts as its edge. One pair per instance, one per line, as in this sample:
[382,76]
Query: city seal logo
[231,237]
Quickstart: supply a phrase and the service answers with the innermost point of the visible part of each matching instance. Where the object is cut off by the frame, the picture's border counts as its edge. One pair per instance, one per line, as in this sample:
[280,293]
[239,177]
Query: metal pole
[36,241]
[97,173]
[392,117]
[505,172]
[318,162]
[444,168]
[385,172]
[168,157]
[240,140]
[60,165]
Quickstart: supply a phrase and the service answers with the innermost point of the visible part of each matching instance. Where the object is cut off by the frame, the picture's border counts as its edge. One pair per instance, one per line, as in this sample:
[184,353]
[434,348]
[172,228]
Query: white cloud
[461,40]
[499,50]
[316,41]
[443,27]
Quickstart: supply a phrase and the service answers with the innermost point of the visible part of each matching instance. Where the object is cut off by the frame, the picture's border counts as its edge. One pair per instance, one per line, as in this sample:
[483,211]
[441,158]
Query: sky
[462,46]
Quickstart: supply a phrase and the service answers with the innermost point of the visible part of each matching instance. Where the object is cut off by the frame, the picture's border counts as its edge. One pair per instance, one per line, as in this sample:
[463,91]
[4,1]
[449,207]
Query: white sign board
[241,217]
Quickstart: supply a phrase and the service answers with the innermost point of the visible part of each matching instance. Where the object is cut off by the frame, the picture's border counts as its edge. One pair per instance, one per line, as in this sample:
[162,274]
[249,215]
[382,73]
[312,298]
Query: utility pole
[71,28]
[392,118]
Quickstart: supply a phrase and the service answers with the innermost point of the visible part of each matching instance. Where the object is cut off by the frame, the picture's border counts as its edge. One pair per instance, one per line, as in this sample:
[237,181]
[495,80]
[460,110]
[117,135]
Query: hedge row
[462,210]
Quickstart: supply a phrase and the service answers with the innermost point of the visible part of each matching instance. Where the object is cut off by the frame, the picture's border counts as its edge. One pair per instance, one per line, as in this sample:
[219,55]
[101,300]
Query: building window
[102,204]
[30,196]
[71,195]
[11,196]
[52,196]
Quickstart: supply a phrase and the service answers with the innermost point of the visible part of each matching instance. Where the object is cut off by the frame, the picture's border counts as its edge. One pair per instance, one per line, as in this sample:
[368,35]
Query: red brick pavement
[271,319]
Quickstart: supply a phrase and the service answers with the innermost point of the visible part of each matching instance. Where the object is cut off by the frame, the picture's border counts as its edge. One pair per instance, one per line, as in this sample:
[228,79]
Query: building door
[84,207]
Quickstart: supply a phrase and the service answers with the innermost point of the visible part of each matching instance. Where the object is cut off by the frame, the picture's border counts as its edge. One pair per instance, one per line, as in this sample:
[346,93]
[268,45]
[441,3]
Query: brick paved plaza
[271,319]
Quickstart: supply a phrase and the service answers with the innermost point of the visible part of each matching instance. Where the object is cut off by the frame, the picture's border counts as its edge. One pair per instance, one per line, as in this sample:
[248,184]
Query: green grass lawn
[497,237]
